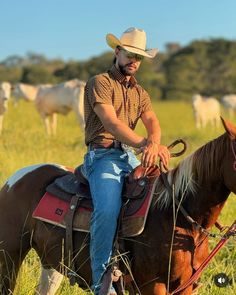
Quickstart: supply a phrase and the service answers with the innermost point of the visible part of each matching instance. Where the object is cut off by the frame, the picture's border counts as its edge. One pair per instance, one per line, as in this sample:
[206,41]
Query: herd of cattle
[51,100]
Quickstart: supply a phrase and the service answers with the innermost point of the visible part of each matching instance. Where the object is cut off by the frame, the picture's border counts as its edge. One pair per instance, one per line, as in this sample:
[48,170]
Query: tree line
[207,67]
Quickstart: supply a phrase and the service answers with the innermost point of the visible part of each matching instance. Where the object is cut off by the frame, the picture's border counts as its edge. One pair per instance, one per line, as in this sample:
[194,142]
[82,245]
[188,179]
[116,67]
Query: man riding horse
[113,104]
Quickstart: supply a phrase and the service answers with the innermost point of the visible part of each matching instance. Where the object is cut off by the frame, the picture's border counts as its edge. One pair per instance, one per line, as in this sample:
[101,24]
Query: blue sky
[76,29]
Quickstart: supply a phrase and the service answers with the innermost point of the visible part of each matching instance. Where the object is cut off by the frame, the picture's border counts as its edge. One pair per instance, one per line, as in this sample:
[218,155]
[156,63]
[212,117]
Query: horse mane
[192,172]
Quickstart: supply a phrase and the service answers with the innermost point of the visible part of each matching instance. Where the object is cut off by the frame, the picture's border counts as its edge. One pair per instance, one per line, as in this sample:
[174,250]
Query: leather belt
[115,144]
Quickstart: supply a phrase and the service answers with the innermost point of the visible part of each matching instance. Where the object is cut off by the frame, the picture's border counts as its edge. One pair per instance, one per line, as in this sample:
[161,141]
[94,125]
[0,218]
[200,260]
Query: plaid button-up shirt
[129,102]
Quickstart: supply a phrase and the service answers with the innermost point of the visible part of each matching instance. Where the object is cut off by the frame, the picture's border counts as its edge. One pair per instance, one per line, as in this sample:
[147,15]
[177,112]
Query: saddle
[135,188]
[69,198]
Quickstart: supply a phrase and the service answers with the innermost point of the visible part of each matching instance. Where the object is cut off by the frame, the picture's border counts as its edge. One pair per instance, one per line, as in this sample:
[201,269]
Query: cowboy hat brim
[113,42]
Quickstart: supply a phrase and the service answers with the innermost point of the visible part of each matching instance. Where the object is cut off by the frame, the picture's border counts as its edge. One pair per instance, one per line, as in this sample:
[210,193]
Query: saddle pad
[53,210]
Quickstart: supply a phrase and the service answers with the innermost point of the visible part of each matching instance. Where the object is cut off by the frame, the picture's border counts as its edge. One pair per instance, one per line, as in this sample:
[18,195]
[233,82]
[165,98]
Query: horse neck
[205,205]
[198,183]
[210,192]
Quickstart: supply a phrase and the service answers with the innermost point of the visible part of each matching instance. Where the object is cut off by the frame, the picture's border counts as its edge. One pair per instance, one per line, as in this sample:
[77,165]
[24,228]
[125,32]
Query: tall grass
[24,142]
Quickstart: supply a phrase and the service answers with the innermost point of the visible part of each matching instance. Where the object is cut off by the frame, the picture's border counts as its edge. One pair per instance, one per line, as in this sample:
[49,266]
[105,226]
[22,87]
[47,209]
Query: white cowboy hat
[132,40]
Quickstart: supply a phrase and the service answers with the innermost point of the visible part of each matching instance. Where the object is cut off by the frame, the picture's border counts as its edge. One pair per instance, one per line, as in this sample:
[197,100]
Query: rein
[230,232]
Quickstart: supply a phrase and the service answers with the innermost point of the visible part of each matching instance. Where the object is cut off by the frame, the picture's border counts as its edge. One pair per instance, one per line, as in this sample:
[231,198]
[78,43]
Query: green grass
[24,142]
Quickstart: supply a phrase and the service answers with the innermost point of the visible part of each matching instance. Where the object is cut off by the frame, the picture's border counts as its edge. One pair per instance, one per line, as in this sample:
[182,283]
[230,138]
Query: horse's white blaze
[22,172]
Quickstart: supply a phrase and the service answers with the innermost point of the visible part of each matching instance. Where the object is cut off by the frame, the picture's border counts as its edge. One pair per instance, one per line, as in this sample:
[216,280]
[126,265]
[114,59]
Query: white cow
[206,110]
[229,102]
[61,99]
[5,93]
[26,91]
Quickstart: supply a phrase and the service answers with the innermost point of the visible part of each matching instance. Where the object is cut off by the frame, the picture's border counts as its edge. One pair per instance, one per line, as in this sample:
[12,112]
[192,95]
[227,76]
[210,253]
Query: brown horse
[202,182]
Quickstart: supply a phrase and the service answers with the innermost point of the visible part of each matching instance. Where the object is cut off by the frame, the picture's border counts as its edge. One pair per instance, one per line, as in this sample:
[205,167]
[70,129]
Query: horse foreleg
[49,283]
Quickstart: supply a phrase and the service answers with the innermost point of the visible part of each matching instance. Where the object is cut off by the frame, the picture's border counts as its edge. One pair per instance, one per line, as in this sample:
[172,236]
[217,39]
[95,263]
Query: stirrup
[116,274]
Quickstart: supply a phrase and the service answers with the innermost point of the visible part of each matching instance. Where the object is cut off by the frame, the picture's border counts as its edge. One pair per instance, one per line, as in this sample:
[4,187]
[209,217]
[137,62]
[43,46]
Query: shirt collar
[121,78]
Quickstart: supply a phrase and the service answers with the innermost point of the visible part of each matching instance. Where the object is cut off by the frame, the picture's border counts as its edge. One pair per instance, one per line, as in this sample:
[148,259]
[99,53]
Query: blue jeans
[105,170]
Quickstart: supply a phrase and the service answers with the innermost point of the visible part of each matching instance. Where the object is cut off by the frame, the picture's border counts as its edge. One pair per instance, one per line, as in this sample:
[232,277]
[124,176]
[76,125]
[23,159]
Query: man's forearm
[126,135]
[154,131]
[152,126]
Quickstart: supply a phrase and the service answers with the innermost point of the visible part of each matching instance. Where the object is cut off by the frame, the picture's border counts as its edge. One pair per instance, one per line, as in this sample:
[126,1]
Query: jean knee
[107,215]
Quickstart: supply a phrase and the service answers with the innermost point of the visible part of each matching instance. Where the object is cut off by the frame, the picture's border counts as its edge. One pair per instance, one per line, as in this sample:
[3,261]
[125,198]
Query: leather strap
[115,144]
[230,232]
[69,234]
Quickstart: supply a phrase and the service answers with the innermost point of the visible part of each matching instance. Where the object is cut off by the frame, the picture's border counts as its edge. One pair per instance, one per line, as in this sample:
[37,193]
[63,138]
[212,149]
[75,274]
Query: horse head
[229,163]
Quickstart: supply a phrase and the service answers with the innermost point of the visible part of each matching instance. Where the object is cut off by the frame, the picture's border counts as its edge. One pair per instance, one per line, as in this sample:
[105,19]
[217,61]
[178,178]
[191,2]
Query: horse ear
[229,128]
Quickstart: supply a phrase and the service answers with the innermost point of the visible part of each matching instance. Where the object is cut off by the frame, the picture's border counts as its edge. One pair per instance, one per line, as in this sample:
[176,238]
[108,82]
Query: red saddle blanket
[53,210]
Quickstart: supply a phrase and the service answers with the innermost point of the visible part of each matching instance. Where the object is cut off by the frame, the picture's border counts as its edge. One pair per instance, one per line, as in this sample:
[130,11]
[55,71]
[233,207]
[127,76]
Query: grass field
[24,142]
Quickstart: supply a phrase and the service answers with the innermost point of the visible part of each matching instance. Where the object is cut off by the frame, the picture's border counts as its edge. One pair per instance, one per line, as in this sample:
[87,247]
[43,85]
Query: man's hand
[152,151]
[164,155]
